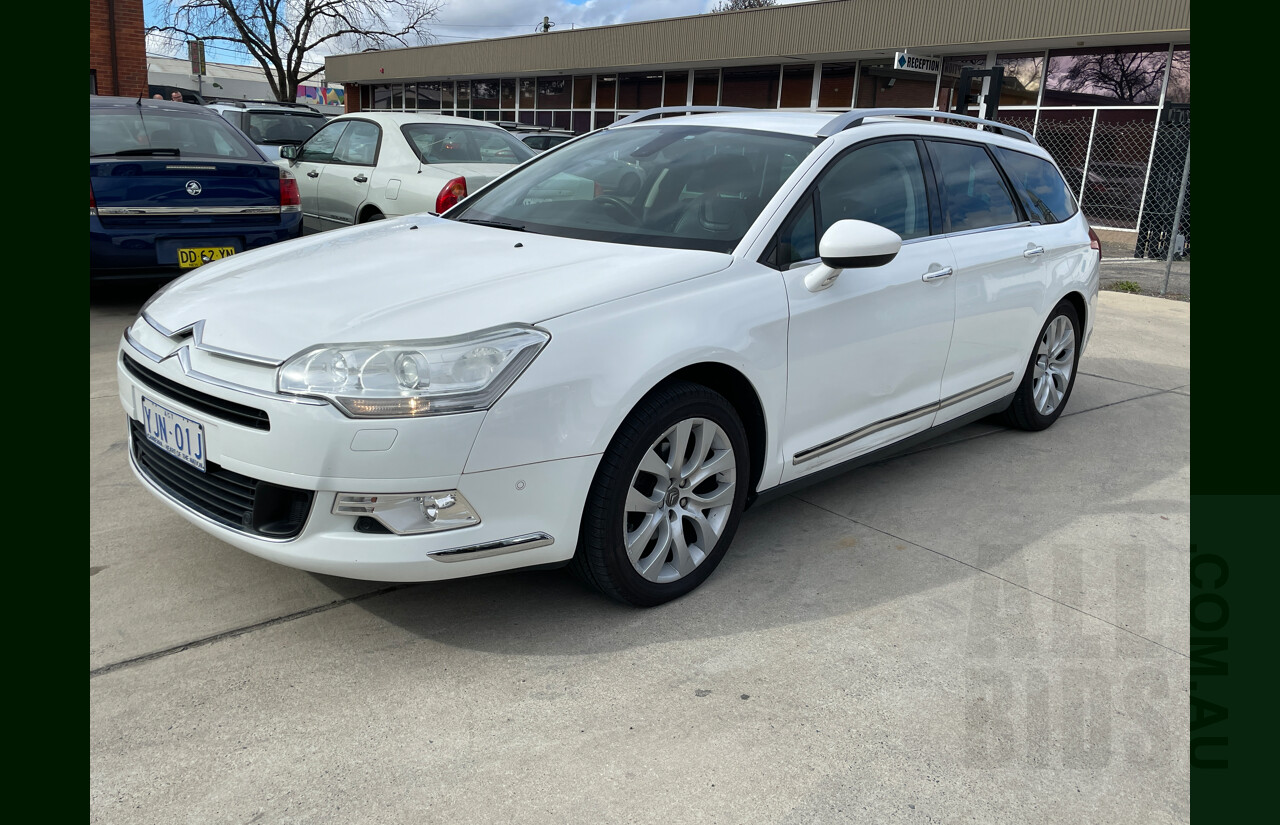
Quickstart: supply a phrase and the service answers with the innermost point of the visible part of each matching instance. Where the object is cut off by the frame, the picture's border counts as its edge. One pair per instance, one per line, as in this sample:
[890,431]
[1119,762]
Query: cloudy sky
[479,19]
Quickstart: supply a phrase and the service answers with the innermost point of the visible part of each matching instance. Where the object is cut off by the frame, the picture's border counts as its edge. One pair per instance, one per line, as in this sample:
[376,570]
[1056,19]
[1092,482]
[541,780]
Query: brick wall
[351,96]
[130,47]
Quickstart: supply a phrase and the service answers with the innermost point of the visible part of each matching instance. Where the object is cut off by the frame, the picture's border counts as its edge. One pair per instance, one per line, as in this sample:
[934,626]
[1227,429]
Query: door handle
[1033,251]
[313,174]
[937,274]
[360,178]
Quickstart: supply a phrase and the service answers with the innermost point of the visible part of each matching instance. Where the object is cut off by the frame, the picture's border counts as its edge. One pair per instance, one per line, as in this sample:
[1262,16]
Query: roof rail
[242,103]
[678,110]
[855,117]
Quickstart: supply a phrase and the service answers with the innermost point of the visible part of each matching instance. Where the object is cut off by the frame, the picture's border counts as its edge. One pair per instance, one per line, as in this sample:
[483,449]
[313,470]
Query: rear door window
[359,144]
[974,195]
[1043,192]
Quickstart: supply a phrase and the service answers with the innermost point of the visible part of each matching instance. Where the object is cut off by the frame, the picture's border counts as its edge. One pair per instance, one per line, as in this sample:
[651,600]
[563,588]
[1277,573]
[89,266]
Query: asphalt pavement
[992,628]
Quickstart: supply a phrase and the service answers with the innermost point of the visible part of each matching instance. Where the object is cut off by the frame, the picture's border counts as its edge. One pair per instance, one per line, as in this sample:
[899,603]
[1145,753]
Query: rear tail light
[93,205]
[290,198]
[453,191]
[1094,243]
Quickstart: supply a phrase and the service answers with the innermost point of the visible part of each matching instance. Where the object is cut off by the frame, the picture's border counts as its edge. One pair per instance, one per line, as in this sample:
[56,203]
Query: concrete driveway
[993,628]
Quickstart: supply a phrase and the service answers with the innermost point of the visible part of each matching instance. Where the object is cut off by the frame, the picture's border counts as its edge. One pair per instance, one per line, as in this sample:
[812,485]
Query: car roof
[401,118]
[813,124]
[147,103]
[262,106]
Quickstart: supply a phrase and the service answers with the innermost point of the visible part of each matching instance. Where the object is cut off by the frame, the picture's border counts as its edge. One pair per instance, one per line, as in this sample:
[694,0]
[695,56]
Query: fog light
[410,513]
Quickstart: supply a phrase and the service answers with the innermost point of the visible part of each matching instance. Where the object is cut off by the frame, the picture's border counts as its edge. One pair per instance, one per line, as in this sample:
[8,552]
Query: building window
[1023,74]
[676,90]
[582,92]
[607,92]
[835,90]
[382,97]
[797,87]
[554,93]
[706,87]
[1179,89]
[1128,76]
[880,84]
[754,86]
[639,90]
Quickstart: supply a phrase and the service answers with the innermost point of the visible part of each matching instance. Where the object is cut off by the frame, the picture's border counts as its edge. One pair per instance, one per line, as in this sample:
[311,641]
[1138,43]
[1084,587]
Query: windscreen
[678,186]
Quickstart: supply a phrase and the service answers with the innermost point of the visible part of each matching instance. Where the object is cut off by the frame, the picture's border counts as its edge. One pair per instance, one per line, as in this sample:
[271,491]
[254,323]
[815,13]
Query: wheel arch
[366,210]
[741,393]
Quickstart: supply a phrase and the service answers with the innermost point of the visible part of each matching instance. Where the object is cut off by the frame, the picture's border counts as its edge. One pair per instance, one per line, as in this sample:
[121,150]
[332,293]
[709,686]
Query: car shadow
[806,557]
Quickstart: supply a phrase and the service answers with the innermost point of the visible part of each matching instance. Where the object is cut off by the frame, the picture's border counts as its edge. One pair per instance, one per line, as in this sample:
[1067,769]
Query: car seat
[724,209]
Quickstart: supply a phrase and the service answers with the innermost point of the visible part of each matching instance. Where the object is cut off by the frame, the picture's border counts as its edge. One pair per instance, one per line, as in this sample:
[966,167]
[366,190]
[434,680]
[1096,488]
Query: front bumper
[529,514]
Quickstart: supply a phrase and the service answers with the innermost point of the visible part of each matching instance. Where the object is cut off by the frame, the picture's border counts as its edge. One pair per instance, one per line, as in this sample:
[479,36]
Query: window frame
[945,215]
[377,151]
[808,200]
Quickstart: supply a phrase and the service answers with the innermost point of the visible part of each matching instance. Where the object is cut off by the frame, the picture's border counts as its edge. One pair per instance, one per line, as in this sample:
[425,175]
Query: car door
[1000,278]
[865,355]
[313,157]
[344,182]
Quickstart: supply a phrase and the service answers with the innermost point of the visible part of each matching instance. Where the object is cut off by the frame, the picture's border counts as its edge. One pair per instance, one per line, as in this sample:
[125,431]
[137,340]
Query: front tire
[667,497]
[1051,372]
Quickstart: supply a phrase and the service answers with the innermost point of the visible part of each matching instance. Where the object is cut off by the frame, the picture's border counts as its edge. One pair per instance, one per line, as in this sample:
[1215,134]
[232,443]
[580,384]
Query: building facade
[117,48]
[1093,80]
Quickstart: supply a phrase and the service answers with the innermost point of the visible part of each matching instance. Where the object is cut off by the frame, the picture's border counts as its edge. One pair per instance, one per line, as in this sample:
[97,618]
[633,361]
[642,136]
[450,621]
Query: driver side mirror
[851,245]
[289,153]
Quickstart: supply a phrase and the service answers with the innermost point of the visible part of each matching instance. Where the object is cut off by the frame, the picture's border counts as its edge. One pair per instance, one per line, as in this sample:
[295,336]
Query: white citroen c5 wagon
[604,356]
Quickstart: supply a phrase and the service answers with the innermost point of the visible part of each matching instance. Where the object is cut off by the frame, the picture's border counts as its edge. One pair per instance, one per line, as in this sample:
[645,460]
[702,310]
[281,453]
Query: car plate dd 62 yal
[190,258]
[175,434]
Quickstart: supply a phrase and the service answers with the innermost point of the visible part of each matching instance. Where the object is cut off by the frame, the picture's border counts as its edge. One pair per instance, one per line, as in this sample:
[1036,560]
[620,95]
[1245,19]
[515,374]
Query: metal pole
[1177,218]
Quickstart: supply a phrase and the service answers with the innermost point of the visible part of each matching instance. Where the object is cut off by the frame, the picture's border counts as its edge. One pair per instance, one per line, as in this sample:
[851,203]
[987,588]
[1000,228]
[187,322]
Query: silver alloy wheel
[1055,359]
[679,500]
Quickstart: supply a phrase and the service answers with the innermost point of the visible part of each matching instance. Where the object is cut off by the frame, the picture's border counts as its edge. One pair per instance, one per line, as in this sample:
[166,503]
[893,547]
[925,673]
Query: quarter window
[973,193]
[1041,189]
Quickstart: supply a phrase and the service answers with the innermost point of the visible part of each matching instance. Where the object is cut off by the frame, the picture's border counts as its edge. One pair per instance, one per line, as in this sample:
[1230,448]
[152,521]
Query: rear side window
[449,143]
[1041,189]
[973,193]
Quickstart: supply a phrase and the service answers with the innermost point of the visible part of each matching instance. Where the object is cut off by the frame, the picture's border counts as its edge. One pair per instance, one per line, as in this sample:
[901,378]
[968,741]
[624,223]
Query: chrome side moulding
[118,211]
[902,418]
[493,548]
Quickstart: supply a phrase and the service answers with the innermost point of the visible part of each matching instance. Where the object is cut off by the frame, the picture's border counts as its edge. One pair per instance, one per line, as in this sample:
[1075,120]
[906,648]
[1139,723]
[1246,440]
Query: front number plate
[176,434]
[197,256]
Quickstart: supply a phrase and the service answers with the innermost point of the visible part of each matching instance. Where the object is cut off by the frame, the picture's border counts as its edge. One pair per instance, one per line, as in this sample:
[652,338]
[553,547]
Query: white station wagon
[602,357]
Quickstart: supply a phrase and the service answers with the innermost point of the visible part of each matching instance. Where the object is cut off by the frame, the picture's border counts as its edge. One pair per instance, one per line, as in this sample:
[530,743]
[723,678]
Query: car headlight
[402,379]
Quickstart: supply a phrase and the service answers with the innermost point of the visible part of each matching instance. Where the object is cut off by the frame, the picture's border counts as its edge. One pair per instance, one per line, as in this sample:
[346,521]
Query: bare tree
[741,5]
[287,36]
[1130,76]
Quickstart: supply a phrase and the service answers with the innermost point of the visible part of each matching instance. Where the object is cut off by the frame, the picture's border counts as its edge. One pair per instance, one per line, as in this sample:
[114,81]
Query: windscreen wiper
[153,150]
[498,224]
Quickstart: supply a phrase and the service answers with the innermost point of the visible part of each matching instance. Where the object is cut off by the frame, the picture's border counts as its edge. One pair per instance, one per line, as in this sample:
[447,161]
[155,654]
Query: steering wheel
[612,206]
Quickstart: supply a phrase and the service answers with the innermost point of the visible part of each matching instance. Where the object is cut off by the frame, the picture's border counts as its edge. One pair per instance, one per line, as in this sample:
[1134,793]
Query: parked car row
[600,358]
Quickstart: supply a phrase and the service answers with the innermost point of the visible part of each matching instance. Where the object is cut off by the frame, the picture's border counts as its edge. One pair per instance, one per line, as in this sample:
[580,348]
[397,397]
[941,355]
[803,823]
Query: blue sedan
[173,186]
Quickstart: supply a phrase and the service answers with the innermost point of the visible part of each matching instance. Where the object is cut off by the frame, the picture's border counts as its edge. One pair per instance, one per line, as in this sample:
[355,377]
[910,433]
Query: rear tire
[1051,372]
[666,499]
